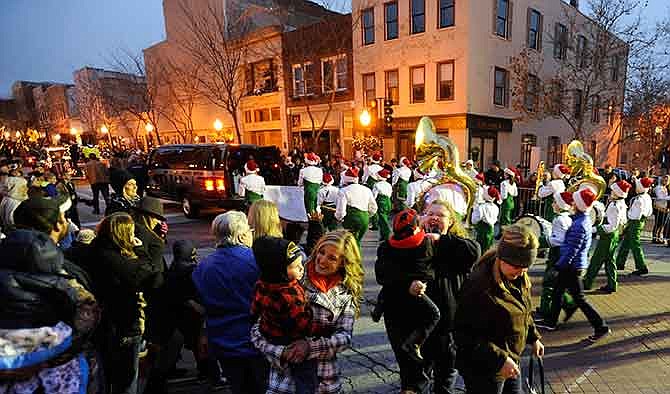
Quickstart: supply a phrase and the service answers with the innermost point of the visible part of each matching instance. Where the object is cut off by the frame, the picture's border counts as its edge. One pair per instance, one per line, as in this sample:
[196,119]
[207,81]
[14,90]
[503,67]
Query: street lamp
[218,125]
[18,134]
[365,118]
[149,127]
[105,130]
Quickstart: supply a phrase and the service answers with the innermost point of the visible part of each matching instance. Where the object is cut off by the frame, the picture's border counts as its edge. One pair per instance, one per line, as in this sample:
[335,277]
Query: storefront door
[483,148]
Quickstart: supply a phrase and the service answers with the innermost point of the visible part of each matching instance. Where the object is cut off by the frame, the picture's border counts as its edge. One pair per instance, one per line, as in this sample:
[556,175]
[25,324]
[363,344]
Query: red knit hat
[492,194]
[251,166]
[405,224]
[376,157]
[384,173]
[564,200]
[644,184]
[560,171]
[480,177]
[406,162]
[584,199]
[620,189]
[312,158]
[327,179]
[350,175]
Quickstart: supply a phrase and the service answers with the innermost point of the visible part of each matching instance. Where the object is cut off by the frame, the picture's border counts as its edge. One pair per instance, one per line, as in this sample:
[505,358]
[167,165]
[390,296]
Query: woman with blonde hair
[264,219]
[334,287]
[493,320]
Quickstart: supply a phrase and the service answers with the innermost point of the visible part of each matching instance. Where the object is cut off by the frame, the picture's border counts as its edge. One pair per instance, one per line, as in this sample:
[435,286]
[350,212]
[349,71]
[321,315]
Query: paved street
[635,359]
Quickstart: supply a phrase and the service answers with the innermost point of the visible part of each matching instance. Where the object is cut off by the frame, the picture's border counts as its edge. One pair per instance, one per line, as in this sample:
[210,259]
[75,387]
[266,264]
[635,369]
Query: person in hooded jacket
[17,192]
[125,196]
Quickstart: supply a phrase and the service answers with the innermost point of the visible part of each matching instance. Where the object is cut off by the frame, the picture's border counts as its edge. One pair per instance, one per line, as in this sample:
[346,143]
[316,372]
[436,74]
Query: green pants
[251,197]
[604,254]
[484,235]
[506,211]
[548,281]
[383,213]
[311,190]
[329,221]
[399,195]
[356,221]
[373,219]
[631,243]
[548,209]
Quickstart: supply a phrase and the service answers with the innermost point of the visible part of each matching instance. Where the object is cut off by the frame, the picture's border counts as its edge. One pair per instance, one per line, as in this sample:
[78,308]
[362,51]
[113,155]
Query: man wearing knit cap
[400,180]
[562,205]
[640,209]
[382,191]
[326,201]
[310,178]
[614,222]
[252,186]
[556,185]
[508,192]
[355,204]
[571,264]
[485,216]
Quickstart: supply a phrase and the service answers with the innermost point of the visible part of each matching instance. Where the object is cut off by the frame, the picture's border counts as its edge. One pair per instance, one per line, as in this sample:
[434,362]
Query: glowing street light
[218,125]
[7,135]
[73,130]
[104,129]
[18,134]
[149,127]
[365,118]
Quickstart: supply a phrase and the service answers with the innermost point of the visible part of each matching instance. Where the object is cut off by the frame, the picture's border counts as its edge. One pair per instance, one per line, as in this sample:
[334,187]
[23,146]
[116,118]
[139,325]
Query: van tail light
[209,185]
[220,186]
[217,184]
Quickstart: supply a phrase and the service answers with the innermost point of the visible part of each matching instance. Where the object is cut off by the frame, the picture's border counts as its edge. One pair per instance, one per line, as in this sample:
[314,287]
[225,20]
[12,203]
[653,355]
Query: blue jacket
[575,248]
[225,282]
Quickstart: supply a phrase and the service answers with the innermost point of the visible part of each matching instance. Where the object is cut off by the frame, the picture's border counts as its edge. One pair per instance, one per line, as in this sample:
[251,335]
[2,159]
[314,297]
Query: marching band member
[556,185]
[485,216]
[508,191]
[420,184]
[326,201]
[640,209]
[562,205]
[481,187]
[370,173]
[252,185]
[614,221]
[382,191]
[400,180]
[355,204]
[310,178]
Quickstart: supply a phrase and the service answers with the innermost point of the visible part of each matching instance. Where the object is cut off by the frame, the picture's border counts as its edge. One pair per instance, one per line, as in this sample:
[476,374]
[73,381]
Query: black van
[207,175]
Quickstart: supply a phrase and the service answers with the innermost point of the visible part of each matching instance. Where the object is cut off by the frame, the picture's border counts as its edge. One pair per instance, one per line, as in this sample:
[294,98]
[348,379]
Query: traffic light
[388,116]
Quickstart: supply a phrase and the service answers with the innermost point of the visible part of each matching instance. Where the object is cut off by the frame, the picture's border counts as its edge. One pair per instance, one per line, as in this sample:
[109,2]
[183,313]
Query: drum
[540,226]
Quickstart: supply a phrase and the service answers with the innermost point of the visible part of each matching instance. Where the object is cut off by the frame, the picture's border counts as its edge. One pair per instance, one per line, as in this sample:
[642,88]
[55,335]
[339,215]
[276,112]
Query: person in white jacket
[382,191]
[614,221]
[508,192]
[326,201]
[485,216]
[416,188]
[355,204]
[370,172]
[310,179]
[556,185]
[470,169]
[640,209]
[661,229]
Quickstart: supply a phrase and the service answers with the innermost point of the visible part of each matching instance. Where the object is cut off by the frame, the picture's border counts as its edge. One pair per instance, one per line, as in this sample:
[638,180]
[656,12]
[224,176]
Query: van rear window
[182,159]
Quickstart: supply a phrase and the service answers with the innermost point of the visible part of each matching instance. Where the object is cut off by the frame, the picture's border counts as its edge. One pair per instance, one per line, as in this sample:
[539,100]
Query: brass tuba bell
[582,170]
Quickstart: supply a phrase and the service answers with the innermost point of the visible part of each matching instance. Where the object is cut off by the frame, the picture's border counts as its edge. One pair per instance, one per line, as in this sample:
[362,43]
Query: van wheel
[190,210]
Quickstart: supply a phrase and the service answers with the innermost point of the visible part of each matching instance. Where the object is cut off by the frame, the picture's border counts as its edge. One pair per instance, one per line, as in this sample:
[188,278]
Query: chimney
[574,3]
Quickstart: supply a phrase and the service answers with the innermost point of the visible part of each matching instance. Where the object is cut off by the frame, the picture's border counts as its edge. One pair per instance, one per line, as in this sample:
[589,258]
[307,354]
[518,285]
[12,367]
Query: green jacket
[491,322]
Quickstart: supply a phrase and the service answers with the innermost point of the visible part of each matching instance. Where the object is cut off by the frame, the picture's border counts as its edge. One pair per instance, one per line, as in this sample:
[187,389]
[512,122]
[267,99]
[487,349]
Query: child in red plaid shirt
[280,302]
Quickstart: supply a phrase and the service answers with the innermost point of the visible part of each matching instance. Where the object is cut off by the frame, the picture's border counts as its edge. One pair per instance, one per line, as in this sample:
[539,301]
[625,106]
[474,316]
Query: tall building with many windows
[486,72]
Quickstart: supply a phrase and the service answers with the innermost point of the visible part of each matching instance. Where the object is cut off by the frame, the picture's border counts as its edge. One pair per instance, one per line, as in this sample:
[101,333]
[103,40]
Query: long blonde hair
[352,267]
[264,219]
[456,228]
[119,227]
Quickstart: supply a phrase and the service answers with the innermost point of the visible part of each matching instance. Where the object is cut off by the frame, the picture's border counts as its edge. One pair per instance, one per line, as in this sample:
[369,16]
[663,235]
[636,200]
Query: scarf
[412,241]
[322,282]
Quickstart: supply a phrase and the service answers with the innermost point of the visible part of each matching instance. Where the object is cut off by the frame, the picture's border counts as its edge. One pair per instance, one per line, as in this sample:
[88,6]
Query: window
[532,93]
[595,109]
[534,29]
[501,83]
[391,20]
[274,112]
[261,115]
[369,87]
[418,84]
[418,16]
[445,80]
[560,41]
[581,51]
[578,104]
[616,64]
[502,18]
[392,87]
[334,73]
[610,112]
[528,141]
[368,26]
[554,151]
[261,77]
[446,13]
[299,84]
[247,117]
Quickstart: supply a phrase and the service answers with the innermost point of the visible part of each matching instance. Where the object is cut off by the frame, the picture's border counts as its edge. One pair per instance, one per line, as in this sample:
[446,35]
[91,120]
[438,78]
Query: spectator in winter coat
[17,192]
[125,196]
[98,176]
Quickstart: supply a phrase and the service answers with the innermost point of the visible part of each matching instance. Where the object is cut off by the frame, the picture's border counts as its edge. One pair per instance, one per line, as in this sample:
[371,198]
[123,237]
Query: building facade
[452,60]
[58,112]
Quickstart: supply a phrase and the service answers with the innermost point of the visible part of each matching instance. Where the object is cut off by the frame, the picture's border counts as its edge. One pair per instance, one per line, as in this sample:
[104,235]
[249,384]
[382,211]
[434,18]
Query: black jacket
[154,248]
[118,203]
[34,289]
[397,268]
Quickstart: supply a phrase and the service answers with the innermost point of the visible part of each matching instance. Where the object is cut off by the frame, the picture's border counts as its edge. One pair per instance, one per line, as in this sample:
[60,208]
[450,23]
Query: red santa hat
[492,194]
[564,200]
[480,177]
[384,173]
[643,184]
[350,175]
[560,171]
[405,162]
[510,172]
[327,179]
[620,189]
[312,158]
[584,199]
[376,157]
[251,167]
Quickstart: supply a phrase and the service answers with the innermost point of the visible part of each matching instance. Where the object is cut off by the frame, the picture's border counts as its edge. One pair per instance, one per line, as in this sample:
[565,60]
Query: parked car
[207,175]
